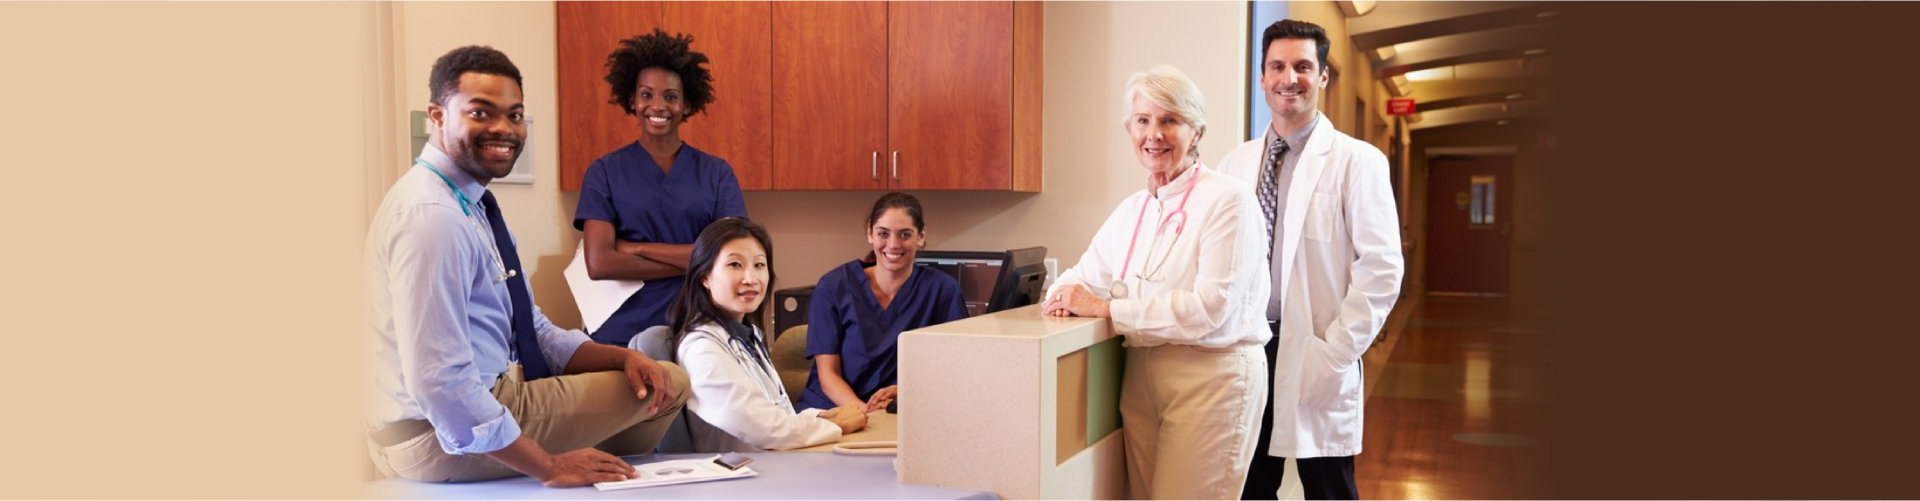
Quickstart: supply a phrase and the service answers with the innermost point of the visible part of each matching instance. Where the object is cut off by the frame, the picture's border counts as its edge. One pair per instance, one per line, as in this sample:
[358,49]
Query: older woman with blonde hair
[1181,269]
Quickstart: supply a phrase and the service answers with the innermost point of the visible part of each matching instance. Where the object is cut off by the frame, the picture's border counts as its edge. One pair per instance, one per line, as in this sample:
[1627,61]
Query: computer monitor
[992,281]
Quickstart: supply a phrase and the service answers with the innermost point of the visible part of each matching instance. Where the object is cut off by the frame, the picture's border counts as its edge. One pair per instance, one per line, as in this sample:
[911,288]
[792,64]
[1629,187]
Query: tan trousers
[561,413]
[1190,416]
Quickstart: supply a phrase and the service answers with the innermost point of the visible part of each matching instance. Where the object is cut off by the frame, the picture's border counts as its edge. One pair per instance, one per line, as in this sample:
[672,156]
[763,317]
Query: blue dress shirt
[440,316]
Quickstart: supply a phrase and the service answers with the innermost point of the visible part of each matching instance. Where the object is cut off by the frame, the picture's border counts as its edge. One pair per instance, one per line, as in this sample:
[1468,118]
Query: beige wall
[183,217]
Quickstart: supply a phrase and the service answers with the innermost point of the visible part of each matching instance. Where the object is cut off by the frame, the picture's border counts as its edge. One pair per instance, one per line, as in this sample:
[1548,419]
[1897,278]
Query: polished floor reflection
[1455,411]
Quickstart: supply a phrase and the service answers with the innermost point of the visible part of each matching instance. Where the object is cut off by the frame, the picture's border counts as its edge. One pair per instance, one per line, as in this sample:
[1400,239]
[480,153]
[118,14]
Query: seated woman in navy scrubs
[859,310]
[642,205]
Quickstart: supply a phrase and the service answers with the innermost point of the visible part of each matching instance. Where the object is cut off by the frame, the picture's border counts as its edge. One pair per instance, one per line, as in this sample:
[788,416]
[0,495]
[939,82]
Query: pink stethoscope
[1119,288]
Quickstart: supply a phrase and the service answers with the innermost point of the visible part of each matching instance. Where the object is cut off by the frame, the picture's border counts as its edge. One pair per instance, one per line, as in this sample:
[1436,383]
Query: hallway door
[1469,224]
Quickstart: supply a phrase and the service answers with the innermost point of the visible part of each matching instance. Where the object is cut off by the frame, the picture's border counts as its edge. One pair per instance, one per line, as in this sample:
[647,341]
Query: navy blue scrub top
[626,188]
[844,318]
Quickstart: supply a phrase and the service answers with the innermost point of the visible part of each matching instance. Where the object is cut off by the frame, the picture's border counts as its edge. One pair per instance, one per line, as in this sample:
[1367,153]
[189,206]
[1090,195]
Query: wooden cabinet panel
[1029,40]
[830,95]
[821,95]
[735,37]
[950,96]
[588,126]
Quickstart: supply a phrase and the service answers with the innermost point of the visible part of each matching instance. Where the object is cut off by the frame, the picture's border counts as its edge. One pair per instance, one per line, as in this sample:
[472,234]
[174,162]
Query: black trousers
[1320,478]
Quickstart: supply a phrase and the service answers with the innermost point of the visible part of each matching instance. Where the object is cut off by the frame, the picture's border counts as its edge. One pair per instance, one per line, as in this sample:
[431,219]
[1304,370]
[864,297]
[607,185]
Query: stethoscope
[493,248]
[1119,288]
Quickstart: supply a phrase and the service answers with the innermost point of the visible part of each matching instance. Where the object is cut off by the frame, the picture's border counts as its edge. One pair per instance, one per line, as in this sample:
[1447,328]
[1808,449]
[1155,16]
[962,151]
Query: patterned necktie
[533,364]
[1270,187]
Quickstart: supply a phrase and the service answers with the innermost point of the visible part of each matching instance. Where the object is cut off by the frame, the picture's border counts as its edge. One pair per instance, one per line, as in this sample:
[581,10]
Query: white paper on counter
[679,471]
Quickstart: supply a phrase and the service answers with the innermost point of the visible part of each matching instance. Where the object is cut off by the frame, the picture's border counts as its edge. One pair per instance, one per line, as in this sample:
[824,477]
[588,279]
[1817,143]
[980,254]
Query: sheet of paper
[597,299]
[679,471]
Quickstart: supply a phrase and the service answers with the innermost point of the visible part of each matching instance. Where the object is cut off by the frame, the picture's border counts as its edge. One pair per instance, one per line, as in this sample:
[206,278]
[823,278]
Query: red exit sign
[1400,106]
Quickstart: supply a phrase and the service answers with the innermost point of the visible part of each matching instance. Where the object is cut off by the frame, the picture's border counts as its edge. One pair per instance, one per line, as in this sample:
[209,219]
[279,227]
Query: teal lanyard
[492,249]
[464,203]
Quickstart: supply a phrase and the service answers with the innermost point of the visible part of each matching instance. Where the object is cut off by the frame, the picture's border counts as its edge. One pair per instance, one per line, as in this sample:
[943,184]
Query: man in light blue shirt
[451,315]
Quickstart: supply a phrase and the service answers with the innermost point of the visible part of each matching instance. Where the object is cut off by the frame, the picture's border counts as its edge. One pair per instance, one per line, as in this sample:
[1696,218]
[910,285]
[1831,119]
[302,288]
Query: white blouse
[738,402]
[1205,284]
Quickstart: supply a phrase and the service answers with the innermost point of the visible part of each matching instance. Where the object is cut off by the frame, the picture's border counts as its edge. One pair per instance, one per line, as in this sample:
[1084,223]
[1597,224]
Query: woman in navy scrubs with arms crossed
[642,205]
[859,310]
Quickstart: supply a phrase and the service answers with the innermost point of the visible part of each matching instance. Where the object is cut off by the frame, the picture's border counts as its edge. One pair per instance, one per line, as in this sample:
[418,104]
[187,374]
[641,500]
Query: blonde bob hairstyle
[1171,90]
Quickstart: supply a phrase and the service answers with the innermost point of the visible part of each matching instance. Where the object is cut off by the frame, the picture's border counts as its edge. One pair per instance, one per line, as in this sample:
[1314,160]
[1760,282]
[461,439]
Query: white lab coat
[1341,246]
[738,403]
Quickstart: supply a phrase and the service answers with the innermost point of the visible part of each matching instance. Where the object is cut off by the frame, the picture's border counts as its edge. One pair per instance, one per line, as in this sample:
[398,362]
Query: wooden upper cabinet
[830,95]
[589,126]
[950,95]
[734,36]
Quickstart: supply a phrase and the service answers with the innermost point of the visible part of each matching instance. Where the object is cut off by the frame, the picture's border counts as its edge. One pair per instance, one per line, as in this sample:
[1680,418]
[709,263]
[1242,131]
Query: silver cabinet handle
[876,166]
[896,166]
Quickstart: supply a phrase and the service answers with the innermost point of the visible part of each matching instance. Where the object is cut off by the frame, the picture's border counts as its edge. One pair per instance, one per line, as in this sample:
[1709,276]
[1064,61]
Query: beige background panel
[184,224]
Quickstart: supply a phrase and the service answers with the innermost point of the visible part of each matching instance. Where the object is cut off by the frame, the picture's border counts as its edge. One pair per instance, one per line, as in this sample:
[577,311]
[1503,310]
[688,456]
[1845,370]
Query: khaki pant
[1189,416]
[560,413]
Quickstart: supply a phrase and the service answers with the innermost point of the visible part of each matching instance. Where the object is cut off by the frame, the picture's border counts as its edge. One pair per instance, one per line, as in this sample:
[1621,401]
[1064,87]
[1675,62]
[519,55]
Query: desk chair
[789,353]
[657,343]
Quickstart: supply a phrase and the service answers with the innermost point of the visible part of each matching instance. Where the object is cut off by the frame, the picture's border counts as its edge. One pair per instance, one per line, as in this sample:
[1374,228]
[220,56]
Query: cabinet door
[734,36]
[950,75]
[589,127]
[830,95]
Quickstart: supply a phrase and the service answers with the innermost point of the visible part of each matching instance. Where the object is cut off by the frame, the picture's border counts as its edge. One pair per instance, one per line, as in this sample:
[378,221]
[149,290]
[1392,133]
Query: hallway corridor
[1458,411]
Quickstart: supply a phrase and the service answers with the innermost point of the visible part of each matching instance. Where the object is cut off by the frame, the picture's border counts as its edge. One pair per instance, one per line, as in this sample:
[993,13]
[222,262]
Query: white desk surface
[782,475]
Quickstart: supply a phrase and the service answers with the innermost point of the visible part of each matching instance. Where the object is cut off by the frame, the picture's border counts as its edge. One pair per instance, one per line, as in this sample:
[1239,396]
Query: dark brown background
[1735,192]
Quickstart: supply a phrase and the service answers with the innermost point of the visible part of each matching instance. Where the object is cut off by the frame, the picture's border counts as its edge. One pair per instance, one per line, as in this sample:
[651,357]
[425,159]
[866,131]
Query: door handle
[896,166]
[876,166]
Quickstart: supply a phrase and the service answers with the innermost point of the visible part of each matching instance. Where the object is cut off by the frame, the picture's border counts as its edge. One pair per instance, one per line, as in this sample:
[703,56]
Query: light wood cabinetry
[830,95]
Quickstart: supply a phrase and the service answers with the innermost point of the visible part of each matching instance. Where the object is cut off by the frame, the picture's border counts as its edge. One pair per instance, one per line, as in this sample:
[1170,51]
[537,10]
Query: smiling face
[659,102]
[738,279]
[895,241]
[1161,140]
[482,125]
[1292,77]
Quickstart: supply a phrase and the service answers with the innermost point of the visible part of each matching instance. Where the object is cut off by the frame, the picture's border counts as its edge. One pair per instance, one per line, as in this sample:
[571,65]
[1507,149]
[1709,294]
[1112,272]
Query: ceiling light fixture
[1385,53]
[1430,74]
[1356,8]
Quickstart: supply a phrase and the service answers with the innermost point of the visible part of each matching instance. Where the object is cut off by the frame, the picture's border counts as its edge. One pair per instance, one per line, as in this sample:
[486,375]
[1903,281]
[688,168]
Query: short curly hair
[659,50]
[445,79]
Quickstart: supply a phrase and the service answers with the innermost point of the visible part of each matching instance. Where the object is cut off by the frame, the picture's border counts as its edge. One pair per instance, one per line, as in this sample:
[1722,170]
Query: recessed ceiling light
[1441,73]
[1535,52]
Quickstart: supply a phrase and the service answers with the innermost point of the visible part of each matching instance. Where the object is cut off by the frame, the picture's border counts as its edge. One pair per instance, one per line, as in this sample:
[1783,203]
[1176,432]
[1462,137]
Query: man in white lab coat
[1334,234]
